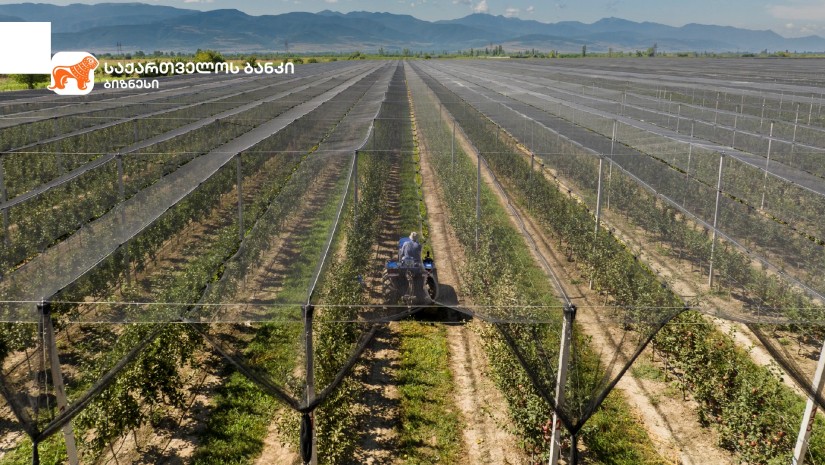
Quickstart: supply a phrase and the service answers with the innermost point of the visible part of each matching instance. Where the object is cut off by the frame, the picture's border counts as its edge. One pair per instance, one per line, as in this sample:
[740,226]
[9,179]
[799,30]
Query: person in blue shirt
[411,250]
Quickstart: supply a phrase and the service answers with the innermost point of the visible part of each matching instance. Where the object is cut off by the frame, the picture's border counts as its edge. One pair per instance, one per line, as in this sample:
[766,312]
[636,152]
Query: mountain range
[137,26]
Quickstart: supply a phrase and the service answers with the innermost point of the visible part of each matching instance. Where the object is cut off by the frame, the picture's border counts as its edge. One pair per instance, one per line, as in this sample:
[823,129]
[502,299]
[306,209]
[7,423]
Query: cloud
[796,30]
[481,7]
[530,9]
[809,11]
[331,1]
[511,12]
[463,2]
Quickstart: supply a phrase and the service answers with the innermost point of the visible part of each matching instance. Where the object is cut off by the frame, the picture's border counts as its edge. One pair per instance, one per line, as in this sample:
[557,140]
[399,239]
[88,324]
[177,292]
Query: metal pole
[810,412]
[478,198]
[610,168]
[309,309]
[58,153]
[530,179]
[599,195]
[3,199]
[57,378]
[687,170]
[795,125]
[733,141]
[598,210]
[678,117]
[767,164]
[137,136]
[561,380]
[716,217]
[355,188]
[238,169]
[811,110]
[121,189]
[452,146]
[762,117]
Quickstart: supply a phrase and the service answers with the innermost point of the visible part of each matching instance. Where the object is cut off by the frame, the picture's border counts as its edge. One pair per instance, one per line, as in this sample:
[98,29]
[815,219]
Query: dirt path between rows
[671,423]
[487,434]
[267,281]
[379,408]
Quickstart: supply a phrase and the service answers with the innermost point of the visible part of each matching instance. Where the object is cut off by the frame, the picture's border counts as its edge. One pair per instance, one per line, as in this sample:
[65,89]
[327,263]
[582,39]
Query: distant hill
[78,17]
[138,26]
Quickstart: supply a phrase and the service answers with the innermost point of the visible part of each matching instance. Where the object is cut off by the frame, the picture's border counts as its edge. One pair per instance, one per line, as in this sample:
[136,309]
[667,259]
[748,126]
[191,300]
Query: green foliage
[746,403]
[31,81]
[431,425]
[208,56]
[517,281]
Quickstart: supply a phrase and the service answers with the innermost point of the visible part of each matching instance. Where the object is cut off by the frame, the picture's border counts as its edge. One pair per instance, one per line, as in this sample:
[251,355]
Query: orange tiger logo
[79,72]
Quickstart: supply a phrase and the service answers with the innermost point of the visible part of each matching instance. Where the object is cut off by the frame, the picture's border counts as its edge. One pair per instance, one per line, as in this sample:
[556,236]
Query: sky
[790,18]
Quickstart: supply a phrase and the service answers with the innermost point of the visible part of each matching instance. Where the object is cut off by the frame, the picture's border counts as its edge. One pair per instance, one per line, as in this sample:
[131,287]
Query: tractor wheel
[389,289]
[431,286]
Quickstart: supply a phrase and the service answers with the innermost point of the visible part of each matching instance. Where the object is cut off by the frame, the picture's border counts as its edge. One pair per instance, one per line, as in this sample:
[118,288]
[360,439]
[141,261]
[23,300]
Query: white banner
[25,48]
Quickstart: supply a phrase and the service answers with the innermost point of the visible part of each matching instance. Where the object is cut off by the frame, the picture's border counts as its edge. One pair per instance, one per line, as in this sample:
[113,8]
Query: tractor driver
[411,250]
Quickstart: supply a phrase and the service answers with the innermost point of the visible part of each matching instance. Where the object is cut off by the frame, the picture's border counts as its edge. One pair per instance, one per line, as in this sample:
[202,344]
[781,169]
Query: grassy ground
[431,424]
[430,421]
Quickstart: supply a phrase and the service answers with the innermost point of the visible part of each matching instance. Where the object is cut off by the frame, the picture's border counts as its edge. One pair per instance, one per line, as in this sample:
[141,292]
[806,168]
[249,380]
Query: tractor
[410,282]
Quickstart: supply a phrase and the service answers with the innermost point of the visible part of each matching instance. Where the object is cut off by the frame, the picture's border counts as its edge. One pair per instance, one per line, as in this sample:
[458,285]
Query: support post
[530,179]
[795,125]
[599,195]
[678,117]
[137,136]
[452,146]
[807,425]
[239,174]
[355,188]
[309,309]
[762,117]
[121,190]
[478,198]
[598,210]
[45,309]
[716,218]
[610,168]
[3,199]
[733,140]
[561,380]
[687,170]
[811,110]
[767,164]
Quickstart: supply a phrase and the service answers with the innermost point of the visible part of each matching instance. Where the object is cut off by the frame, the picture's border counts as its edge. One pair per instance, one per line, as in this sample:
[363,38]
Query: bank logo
[73,73]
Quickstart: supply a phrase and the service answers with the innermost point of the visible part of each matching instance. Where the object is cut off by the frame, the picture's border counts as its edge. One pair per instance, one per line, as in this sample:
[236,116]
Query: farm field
[198,273]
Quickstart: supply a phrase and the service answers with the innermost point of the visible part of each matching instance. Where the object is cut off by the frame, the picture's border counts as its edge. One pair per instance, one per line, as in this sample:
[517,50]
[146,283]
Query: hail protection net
[255,239]
[521,307]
